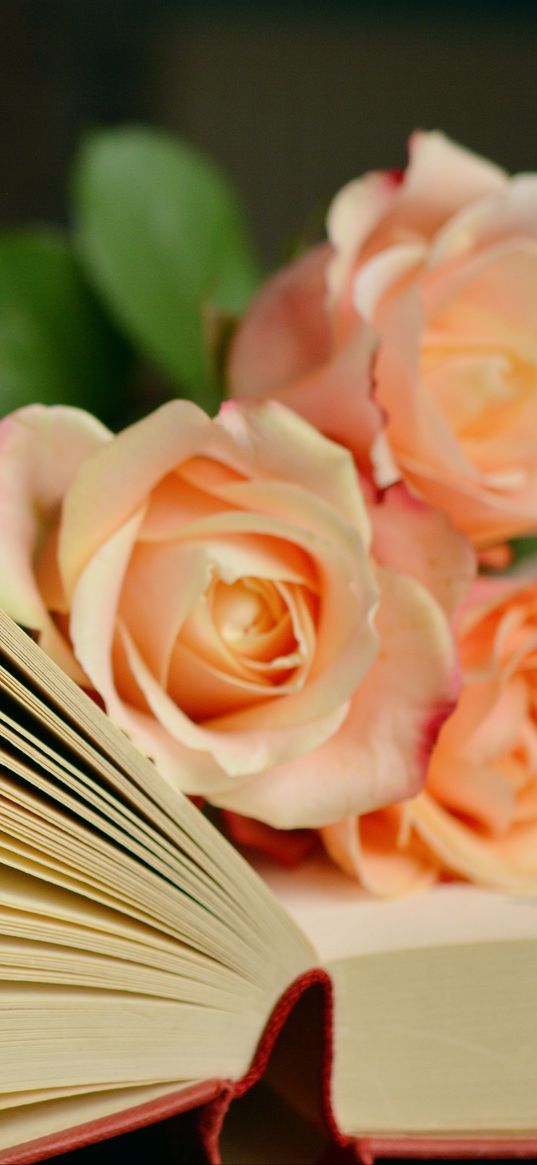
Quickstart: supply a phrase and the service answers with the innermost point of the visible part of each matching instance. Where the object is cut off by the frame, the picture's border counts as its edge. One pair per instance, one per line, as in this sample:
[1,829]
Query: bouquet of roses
[313,605]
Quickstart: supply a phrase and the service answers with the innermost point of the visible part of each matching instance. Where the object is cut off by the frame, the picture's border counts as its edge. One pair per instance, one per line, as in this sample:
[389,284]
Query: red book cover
[296,1049]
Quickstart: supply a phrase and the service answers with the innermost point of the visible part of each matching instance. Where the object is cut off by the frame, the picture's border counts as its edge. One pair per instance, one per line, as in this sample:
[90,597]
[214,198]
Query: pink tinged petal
[385,856]
[381,751]
[464,852]
[40,451]
[278,446]
[286,331]
[442,177]
[412,628]
[353,214]
[412,538]
[336,396]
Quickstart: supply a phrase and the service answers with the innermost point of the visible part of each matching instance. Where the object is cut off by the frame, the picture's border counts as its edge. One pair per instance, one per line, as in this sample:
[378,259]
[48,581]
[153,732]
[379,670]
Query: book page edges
[126,1120]
[213,1098]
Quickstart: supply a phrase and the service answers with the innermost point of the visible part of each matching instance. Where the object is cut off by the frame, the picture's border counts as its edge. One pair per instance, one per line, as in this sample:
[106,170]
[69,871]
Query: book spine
[212,1117]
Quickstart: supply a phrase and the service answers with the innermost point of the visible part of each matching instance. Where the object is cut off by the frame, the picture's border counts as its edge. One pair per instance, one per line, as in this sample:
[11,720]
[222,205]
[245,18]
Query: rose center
[243,642]
[241,609]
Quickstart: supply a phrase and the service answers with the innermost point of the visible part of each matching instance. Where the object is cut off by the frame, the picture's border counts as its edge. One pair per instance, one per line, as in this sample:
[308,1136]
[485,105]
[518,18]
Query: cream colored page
[341,920]
[437,1041]
[435,1027]
[32,1121]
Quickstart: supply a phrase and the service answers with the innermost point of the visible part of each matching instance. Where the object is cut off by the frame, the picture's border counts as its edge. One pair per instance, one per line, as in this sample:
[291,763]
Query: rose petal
[383,275]
[278,446]
[240,754]
[162,585]
[414,539]
[371,849]
[509,213]
[428,452]
[346,641]
[111,485]
[41,449]
[381,751]
[288,323]
[461,850]
[94,609]
[353,215]
[441,178]
[336,396]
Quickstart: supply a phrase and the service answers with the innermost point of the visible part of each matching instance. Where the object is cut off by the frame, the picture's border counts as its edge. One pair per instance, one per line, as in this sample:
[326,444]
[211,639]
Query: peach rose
[40,451]
[215,580]
[441,268]
[310,353]
[477,816]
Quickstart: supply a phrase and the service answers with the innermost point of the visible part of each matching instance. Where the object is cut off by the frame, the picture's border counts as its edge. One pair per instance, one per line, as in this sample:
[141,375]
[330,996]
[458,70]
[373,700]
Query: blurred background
[292,99]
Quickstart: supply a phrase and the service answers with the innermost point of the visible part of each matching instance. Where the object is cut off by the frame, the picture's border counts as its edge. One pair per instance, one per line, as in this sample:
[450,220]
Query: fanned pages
[145,967]
[138,951]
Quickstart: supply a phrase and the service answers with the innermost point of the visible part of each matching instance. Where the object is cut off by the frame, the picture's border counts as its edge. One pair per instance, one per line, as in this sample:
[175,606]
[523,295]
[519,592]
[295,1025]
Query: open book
[145,968]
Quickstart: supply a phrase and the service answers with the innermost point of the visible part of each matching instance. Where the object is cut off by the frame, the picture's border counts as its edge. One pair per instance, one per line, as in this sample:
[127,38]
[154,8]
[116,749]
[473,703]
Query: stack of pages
[146,968]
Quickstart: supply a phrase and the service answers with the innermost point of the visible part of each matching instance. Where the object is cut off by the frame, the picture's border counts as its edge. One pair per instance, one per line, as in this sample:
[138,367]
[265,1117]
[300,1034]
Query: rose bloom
[214,582]
[434,271]
[477,816]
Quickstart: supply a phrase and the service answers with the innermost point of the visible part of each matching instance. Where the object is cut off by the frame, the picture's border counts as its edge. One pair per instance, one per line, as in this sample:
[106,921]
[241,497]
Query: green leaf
[523,549]
[56,345]
[162,238]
